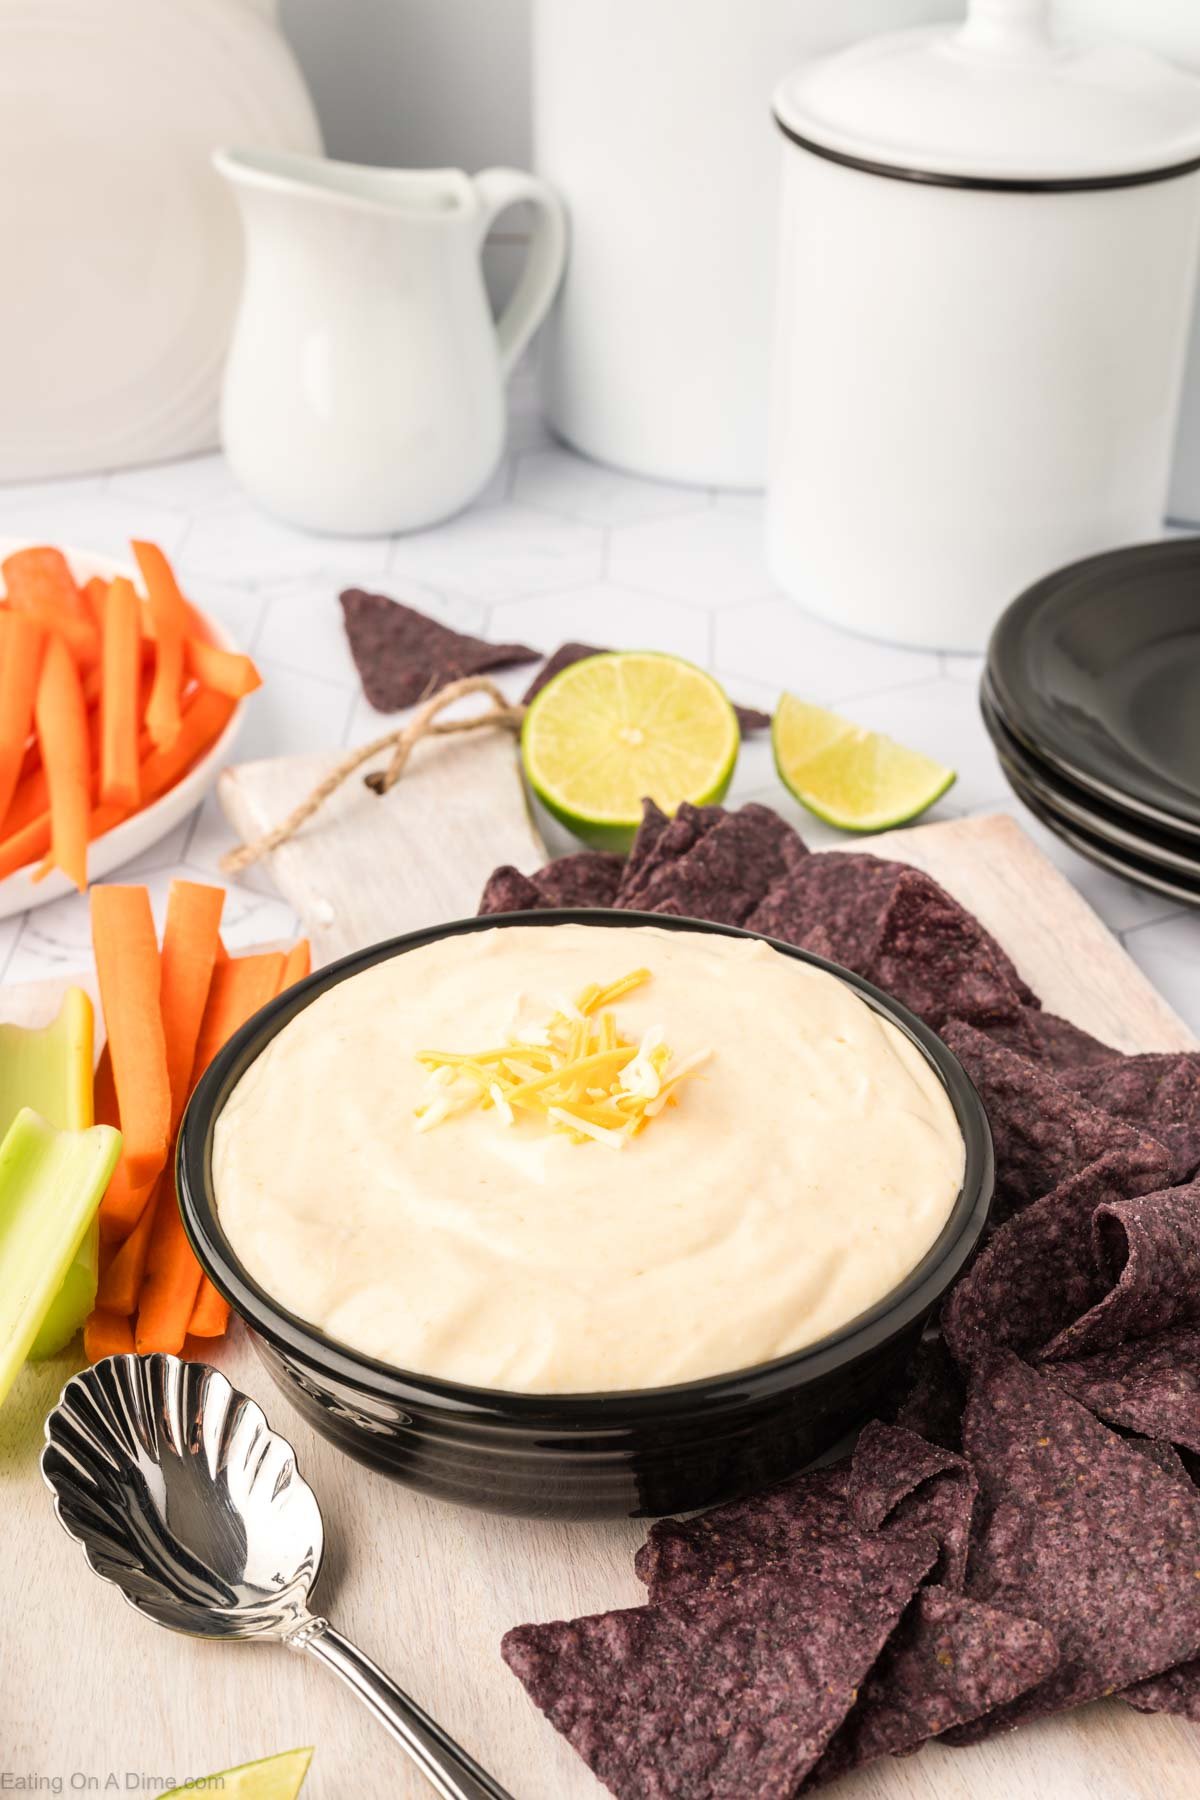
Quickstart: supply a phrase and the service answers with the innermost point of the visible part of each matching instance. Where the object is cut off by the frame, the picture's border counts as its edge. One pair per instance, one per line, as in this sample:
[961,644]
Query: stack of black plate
[1091,695]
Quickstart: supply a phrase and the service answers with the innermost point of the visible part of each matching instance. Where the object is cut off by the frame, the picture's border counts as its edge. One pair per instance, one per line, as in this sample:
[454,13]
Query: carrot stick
[204,719]
[93,678]
[173,1276]
[224,671]
[203,722]
[121,667]
[123,1205]
[21,643]
[38,581]
[29,802]
[25,845]
[127,963]
[171,1284]
[189,950]
[62,731]
[239,988]
[95,592]
[121,1282]
[105,1334]
[168,610]
[210,1315]
[297,964]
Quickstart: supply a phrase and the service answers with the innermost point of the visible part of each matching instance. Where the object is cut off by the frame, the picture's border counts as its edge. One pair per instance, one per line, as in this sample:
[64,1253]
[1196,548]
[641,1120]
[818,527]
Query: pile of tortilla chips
[1024,1535]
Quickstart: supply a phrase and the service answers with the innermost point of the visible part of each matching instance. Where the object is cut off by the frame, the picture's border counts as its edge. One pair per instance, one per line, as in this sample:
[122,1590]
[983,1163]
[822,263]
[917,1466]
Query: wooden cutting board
[429,1589]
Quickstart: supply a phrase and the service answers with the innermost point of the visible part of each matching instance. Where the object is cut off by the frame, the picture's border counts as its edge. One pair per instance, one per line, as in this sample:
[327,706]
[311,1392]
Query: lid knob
[1007,27]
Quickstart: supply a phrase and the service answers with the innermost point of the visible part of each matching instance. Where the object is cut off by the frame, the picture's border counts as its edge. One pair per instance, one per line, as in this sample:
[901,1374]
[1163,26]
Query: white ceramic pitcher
[365,385]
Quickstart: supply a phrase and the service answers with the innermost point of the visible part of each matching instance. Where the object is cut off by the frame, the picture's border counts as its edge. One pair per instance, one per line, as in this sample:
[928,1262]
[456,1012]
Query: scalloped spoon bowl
[183,1497]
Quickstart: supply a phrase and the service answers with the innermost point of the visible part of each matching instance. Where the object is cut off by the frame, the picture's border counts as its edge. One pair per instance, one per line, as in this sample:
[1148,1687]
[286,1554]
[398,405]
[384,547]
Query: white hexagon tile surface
[556,548]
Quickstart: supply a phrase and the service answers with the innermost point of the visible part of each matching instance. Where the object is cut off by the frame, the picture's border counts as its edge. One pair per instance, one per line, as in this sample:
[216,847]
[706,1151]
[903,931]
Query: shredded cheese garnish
[577,1073]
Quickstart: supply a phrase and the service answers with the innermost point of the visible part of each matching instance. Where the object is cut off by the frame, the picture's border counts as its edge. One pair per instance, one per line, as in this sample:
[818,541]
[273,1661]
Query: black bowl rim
[307,1345]
[1125,785]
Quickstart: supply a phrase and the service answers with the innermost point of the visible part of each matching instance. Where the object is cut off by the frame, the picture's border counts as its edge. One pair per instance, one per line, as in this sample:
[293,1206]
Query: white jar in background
[987,265]
[1172,28]
[652,119]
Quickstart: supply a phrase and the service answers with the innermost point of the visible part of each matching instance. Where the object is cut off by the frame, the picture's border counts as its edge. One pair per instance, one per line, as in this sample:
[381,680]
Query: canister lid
[999,102]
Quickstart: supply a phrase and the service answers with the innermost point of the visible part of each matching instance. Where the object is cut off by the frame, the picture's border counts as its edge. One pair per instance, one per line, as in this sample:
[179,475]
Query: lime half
[613,730]
[852,778]
[272,1778]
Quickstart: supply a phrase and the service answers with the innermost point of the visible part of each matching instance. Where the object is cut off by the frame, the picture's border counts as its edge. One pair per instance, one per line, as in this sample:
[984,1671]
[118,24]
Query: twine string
[401,742]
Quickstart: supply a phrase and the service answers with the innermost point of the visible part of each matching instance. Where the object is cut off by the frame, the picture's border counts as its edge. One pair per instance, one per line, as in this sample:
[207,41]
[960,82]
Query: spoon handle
[448,1769]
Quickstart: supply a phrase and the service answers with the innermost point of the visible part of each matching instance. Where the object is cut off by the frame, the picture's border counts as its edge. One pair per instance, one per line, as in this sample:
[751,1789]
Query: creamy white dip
[803,1173]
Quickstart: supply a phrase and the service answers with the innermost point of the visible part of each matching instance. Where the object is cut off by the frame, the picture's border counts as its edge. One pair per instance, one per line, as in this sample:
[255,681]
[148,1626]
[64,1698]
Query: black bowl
[641,1452]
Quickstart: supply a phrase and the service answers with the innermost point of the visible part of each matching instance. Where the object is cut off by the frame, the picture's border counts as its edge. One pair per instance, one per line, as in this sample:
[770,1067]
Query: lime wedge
[855,779]
[271,1778]
[613,730]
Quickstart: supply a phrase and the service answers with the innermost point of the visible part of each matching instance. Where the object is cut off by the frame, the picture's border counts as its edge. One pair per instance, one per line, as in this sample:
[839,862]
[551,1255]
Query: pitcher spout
[401,193]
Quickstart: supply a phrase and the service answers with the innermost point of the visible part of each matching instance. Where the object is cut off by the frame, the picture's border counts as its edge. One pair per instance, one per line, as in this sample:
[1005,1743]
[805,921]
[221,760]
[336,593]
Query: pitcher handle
[499,189]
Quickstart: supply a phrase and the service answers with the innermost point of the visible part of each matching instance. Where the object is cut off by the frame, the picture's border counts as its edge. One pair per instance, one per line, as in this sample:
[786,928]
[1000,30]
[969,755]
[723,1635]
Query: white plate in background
[115,315]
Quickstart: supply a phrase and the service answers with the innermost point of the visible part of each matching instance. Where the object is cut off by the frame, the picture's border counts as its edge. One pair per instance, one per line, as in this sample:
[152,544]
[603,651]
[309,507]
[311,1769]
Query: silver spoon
[185,1499]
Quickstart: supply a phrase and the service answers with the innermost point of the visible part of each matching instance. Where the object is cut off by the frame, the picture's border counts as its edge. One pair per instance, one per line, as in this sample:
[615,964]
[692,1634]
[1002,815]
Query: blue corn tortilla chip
[507,890]
[1037,1274]
[660,842]
[1166,1456]
[936,958]
[1150,1385]
[1146,1250]
[725,1691]
[898,1479]
[1175,1691]
[744,1536]
[749,719]
[728,868]
[842,893]
[402,655]
[589,878]
[932,1401]
[1042,1131]
[1084,1534]
[1159,1093]
[1061,1046]
[896,926]
[950,1661]
[819,943]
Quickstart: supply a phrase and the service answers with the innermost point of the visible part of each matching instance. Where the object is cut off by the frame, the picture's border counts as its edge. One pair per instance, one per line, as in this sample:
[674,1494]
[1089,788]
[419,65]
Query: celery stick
[51,1070]
[74,1299]
[51,1183]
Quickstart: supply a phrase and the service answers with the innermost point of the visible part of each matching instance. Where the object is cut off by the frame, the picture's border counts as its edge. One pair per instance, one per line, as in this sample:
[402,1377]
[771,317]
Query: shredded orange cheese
[577,1074]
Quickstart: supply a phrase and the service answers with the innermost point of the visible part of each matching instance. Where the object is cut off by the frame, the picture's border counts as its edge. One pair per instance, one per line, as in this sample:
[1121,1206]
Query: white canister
[988,257]
[652,119]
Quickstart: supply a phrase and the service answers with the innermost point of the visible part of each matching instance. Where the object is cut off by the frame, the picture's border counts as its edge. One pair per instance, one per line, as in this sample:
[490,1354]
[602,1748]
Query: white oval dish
[18,891]
[117,328]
